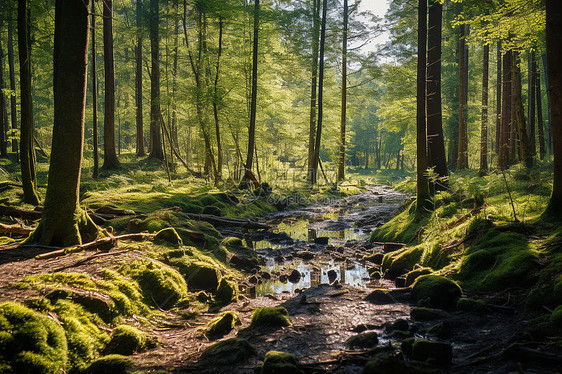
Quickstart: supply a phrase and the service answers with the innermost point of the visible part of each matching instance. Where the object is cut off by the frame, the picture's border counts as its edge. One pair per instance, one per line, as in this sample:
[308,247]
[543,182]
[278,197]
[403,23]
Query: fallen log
[228,222]
[11,211]
[16,228]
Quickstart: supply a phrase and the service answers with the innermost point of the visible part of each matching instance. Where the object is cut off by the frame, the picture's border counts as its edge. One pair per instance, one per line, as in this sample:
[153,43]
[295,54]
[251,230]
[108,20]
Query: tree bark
[138,82]
[254,97]
[532,103]
[498,96]
[540,120]
[318,137]
[546,82]
[27,151]
[504,144]
[462,158]
[95,172]
[155,131]
[341,162]
[422,198]
[520,121]
[3,109]
[484,129]
[110,160]
[215,101]
[63,222]
[554,62]
[435,140]
[313,87]
[11,67]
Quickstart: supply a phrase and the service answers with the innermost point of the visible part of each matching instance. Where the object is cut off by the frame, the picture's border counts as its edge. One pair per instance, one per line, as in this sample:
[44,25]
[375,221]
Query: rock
[283,278]
[332,275]
[384,296]
[229,352]
[470,305]
[126,340]
[436,291]
[244,258]
[270,317]
[400,324]
[411,276]
[222,325]
[389,363]
[323,240]
[400,281]
[305,255]
[364,327]
[400,335]
[442,330]
[350,243]
[201,276]
[227,291]
[392,247]
[364,340]
[437,352]
[111,364]
[265,275]
[278,259]
[169,236]
[340,250]
[295,276]
[427,314]
[375,258]
[280,363]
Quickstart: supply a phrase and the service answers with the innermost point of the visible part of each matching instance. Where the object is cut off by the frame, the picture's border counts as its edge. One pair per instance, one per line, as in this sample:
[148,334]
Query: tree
[110,160]
[505,131]
[63,222]
[520,122]
[554,62]
[462,158]
[156,150]
[435,139]
[95,172]
[3,111]
[27,151]
[254,98]
[422,198]
[313,87]
[540,121]
[341,162]
[11,68]
[484,128]
[138,82]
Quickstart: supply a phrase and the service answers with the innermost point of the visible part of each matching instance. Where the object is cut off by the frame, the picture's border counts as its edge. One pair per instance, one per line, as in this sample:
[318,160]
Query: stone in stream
[400,324]
[295,276]
[375,258]
[332,275]
[438,352]
[305,255]
[283,278]
[340,249]
[323,240]
[364,340]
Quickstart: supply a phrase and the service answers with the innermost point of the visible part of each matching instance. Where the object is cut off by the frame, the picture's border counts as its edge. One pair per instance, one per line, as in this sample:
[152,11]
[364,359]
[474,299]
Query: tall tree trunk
[484,130]
[462,158]
[341,162]
[11,67]
[63,222]
[95,172]
[532,103]
[3,109]
[540,121]
[138,82]
[422,198]
[546,82]
[254,98]
[504,145]
[435,139]
[554,59]
[155,132]
[27,151]
[318,137]
[313,87]
[498,96]
[520,122]
[110,160]
[216,101]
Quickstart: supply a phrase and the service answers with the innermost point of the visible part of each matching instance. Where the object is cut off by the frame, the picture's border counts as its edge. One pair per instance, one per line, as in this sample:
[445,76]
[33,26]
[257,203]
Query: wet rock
[305,255]
[330,247]
[278,259]
[364,340]
[436,292]
[322,240]
[364,327]
[400,324]
[427,314]
[350,243]
[437,352]
[229,352]
[283,278]
[400,334]
[295,276]
[375,258]
[279,363]
[332,275]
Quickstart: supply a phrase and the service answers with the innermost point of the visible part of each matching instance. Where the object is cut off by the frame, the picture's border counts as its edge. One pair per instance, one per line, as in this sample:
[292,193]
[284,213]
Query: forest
[274,186]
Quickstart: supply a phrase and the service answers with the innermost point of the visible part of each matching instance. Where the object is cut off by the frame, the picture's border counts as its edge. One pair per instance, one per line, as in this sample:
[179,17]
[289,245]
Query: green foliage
[30,342]
[270,317]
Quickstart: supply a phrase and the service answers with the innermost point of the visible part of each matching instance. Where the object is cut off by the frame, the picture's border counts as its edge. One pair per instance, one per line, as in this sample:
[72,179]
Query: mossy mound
[436,291]
[168,236]
[229,352]
[280,363]
[94,302]
[111,364]
[438,352]
[126,340]
[388,363]
[201,276]
[222,324]
[401,261]
[160,284]
[269,317]
[470,305]
[412,275]
[227,291]
[365,340]
[30,342]
[232,241]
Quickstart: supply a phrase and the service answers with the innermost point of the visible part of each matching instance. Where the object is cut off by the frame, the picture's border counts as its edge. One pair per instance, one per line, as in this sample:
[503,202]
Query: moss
[227,291]
[168,236]
[401,261]
[232,242]
[442,330]
[403,228]
[94,302]
[111,364]
[159,283]
[365,340]
[438,352]
[229,352]
[280,363]
[436,291]
[222,324]
[30,342]
[556,317]
[412,275]
[388,363]
[470,305]
[201,276]
[270,317]
[126,340]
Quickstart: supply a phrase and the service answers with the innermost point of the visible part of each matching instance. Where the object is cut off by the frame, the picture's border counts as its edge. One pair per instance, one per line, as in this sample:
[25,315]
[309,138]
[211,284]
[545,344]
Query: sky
[378,8]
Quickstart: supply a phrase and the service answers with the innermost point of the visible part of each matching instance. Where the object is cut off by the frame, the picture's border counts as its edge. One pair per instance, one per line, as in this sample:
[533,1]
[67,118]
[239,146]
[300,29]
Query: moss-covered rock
[437,352]
[201,276]
[411,276]
[126,340]
[388,363]
[436,292]
[30,342]
[427,314]
[280,363]
[384,296]
[401,261]
[470,305]
[95,302]
[364,340]
[229,352]
[111,364]
[442,330]
[270,317]
[222,324]
[168,236]
[227,291]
